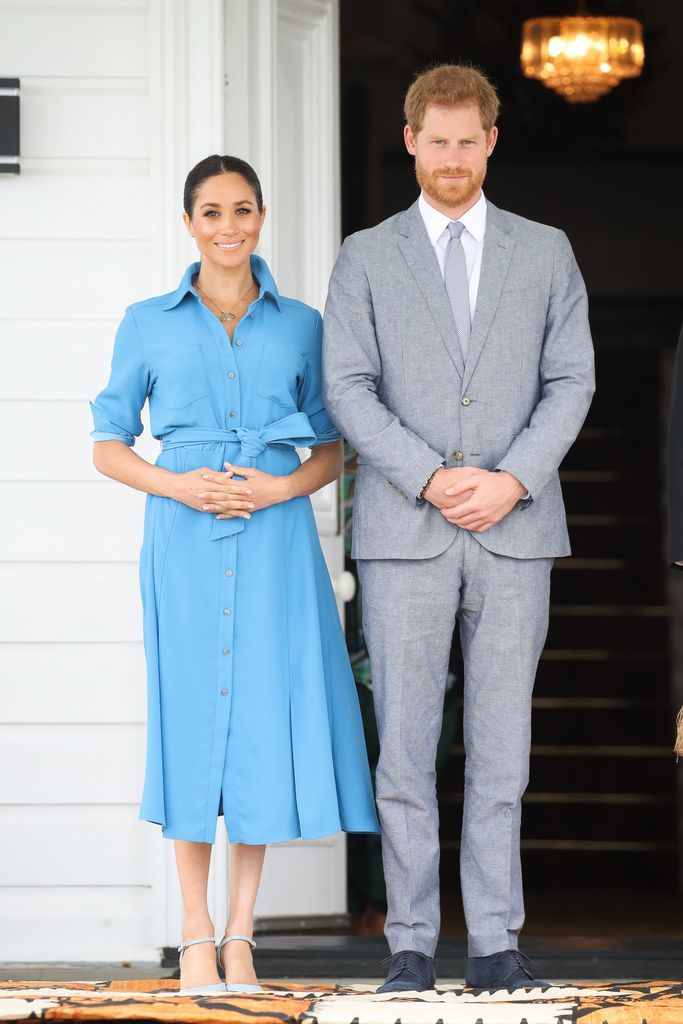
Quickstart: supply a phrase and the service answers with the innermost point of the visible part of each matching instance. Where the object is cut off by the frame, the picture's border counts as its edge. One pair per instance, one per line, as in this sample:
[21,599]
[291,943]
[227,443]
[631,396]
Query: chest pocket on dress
[180,377]
[280,373]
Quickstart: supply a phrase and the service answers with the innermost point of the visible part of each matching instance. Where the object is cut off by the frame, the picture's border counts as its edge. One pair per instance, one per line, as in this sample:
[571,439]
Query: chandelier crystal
[582,57]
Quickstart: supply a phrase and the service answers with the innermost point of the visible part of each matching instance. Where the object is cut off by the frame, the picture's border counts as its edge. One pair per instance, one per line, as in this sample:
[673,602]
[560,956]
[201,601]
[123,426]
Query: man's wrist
[427,482]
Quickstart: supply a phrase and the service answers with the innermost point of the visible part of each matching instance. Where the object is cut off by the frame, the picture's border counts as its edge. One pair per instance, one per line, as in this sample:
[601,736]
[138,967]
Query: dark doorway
[602,814]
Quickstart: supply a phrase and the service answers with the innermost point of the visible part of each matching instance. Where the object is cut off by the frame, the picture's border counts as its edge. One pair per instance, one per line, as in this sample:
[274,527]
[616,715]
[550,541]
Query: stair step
[603,611]
[607,581]
[586,823]
[594,678]
[620,799]
[604,655]
[617,541]
[585,770]
[584,845]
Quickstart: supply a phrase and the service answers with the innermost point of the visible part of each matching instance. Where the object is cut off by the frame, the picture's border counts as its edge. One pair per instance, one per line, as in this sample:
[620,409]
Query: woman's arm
[119,462]
[324,465]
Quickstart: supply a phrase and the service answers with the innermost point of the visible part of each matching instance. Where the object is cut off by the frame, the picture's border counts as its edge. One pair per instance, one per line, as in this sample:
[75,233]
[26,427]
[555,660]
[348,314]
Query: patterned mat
[659,1002]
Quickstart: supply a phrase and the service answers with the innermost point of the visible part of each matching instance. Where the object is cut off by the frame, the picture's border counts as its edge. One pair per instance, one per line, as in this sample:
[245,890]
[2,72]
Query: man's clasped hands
[474,499]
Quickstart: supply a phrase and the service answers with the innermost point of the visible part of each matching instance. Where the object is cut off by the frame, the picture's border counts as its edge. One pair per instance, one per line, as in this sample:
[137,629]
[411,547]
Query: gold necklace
[224,314]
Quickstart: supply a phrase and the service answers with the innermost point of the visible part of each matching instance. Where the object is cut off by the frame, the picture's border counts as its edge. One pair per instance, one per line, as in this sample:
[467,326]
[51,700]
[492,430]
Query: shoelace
[398,962]
[525,963]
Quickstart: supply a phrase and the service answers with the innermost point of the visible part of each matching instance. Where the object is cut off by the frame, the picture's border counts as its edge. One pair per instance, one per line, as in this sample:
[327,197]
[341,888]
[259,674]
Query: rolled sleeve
[310,392]
[116,410]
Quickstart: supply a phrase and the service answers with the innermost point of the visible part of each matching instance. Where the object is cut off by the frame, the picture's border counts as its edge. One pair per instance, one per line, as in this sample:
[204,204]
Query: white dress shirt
[472,239]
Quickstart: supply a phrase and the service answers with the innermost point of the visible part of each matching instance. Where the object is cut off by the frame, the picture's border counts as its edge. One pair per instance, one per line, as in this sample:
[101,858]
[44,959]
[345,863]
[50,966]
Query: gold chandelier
[582,57]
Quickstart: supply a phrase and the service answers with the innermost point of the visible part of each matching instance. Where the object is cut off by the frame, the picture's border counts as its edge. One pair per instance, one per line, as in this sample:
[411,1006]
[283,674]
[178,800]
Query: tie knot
[456,228]
[251,442]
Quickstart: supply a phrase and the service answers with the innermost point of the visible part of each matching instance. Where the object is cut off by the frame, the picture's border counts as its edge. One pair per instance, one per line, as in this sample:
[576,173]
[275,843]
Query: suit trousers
[409,612]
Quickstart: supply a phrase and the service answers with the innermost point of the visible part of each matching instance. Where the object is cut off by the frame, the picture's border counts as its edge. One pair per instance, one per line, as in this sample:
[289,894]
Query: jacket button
[458,456]
[465,400]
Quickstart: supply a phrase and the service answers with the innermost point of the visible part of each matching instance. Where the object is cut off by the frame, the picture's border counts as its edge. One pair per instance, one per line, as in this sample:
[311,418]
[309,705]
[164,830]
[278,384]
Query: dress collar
[436,222]
[259,269]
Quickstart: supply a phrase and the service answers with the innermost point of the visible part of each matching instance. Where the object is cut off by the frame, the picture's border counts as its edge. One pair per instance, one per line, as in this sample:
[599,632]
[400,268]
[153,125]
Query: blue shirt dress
[252,707]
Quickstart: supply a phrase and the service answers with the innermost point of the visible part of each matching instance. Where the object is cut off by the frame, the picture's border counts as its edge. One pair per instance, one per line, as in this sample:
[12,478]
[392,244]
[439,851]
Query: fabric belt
[293,431]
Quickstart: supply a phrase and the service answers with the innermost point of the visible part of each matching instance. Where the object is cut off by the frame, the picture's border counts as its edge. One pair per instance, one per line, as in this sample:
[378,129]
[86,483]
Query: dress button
[226,611]
[224,693]
[231,374]
[457,456]
[239,342]
[228,572]
[226,650]
[232,414]
[465,400]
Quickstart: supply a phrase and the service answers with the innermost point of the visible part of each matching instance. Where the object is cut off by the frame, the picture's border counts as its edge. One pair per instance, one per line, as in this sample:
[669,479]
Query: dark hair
[209,167]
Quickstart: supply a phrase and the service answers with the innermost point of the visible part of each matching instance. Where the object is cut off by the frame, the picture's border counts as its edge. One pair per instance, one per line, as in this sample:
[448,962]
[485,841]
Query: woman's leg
[199,962]
[246,864]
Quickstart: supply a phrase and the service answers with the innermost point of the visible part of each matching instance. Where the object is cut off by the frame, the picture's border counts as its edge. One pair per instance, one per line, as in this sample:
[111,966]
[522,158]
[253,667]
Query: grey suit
[396,386]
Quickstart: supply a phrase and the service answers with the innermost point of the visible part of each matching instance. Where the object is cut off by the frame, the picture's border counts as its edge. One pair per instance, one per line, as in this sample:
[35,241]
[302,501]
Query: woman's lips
[229,246]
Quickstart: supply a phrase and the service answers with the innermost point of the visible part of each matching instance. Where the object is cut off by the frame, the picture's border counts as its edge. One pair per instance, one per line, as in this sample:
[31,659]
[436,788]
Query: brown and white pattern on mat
[658,1002]
[153,1000]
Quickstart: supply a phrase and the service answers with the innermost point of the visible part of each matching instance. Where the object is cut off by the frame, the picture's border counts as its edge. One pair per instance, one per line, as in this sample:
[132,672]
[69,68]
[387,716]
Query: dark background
[602,814]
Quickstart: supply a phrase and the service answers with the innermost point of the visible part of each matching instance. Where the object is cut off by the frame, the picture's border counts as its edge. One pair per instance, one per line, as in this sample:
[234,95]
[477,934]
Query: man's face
[451,151]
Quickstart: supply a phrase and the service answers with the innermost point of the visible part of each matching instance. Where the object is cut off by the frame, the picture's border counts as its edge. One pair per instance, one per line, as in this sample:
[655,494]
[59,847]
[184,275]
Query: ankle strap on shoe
[193,942]
[234,938]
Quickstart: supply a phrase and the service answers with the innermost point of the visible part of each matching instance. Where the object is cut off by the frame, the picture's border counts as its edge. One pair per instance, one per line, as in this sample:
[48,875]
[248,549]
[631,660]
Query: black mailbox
[9,125]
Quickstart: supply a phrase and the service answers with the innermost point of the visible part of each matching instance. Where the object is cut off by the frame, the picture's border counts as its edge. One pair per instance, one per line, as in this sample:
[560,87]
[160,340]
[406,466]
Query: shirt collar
[436,222]
[259,269]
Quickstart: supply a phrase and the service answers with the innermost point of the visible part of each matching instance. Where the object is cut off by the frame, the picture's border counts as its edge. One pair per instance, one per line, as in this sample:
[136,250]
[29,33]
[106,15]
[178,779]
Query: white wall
[118,99]
[76,246]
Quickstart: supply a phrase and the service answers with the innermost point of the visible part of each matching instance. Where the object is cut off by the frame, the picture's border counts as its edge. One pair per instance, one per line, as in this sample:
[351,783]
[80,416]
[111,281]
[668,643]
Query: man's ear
[409,139]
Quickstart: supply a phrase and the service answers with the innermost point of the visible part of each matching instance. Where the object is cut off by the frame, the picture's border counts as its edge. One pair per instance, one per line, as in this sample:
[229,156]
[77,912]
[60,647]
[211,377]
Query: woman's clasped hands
[232,498]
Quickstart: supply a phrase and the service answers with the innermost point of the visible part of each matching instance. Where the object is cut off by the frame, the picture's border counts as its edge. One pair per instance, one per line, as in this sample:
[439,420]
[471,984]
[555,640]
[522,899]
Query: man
[458,362]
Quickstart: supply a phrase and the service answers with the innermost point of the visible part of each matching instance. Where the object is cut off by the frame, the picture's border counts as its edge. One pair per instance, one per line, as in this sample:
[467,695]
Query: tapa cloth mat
[657,1002]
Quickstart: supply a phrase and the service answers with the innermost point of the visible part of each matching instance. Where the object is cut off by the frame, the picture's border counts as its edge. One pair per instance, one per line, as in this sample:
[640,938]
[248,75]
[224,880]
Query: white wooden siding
[76,246]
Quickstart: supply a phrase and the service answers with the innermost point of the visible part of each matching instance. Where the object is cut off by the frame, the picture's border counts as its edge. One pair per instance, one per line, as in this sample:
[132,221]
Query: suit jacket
[674,453]
[395,384]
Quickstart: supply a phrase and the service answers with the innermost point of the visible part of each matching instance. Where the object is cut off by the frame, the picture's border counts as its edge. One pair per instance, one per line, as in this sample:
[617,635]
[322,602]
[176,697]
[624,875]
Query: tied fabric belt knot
[251,442]
[293,431]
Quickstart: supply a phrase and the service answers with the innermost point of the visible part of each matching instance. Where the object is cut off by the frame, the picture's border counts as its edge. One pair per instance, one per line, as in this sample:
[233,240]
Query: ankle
[237,927]
[197,926]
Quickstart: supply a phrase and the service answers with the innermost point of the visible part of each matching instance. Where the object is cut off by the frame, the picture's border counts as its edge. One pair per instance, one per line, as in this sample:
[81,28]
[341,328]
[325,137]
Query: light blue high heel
[199,990]
[244,989]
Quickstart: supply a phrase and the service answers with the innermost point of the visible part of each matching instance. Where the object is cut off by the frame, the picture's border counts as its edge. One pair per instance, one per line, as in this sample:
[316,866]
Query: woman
[252,711]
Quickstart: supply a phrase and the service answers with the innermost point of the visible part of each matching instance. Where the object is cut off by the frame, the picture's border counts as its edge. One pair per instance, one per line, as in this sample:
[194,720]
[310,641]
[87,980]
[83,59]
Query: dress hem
[169,834]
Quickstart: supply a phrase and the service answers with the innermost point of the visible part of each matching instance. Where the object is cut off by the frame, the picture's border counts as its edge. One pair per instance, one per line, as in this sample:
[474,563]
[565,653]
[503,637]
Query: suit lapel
[495,263]
[419,255]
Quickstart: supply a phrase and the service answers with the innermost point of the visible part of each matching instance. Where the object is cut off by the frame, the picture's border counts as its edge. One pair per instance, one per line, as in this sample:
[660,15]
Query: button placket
[226,628]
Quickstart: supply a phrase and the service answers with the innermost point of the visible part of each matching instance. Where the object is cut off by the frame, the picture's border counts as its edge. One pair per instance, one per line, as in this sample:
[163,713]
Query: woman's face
[226,222]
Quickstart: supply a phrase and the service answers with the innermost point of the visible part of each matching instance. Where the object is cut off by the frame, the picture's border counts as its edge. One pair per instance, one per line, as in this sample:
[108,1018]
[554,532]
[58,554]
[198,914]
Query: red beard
[450,193]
